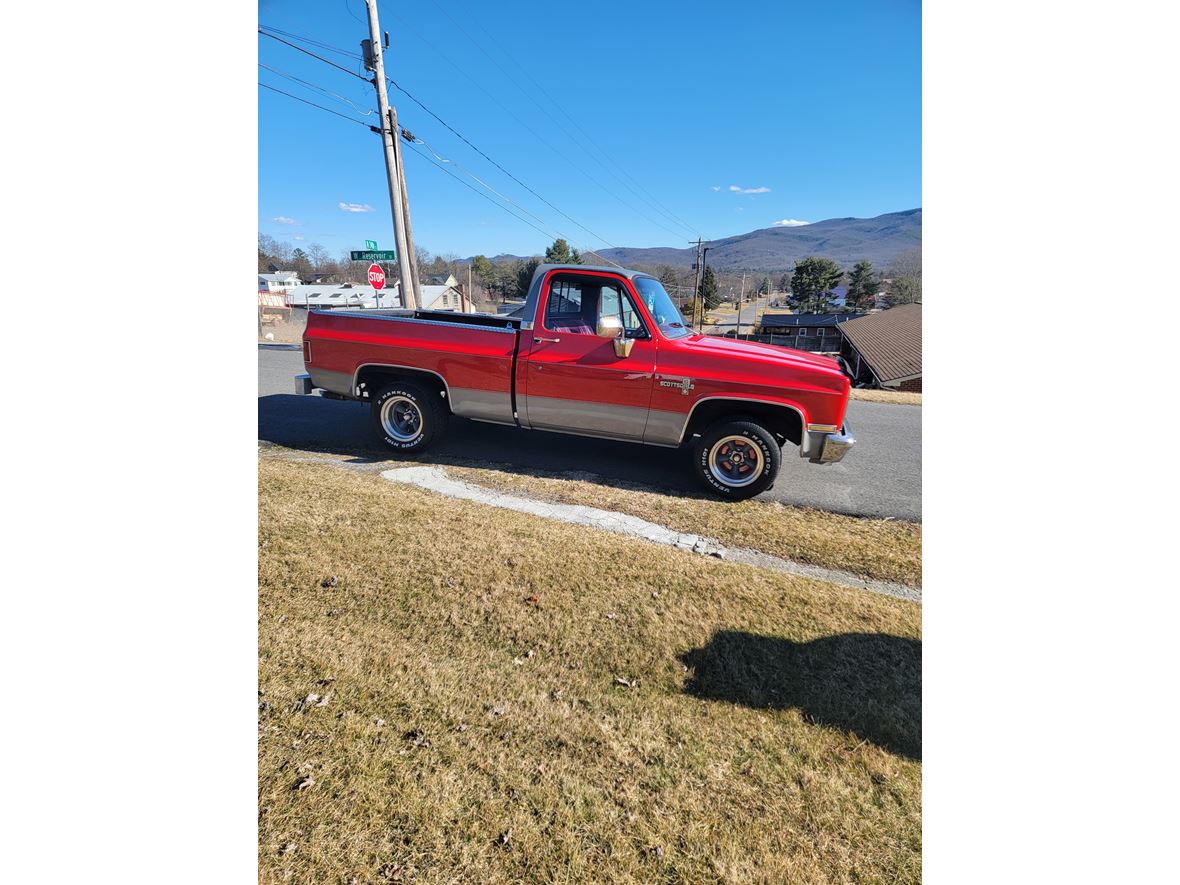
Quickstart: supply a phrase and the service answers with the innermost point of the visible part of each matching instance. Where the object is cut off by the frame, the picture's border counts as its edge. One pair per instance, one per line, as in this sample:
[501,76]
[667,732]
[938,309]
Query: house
[804,331]
[282,281]
[447,295]
[884,349]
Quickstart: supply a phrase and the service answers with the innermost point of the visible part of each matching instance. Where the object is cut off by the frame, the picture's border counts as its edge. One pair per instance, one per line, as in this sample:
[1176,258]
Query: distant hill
[844,240]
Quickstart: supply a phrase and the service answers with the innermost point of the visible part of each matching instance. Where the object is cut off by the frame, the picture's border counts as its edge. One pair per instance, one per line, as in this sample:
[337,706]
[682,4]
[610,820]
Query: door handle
[551,340]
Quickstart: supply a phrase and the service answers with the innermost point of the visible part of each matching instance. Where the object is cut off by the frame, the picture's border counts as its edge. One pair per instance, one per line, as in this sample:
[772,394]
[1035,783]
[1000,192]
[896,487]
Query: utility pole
[696,287]
[741,298]
[393,172]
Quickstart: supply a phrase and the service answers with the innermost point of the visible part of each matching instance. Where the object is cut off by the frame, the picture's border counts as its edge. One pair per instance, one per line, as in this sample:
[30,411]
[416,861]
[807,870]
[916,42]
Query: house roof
[282,276]
[889,341]
[335,296]
[805,320]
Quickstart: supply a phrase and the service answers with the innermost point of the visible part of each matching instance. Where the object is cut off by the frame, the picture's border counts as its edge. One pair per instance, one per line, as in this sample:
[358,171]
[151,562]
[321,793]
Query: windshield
[661,307]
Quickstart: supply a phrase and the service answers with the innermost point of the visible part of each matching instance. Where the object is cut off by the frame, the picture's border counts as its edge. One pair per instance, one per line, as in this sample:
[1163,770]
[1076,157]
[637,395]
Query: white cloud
[283,219]
[355,207]
[297,238]
[717,187]
[790,222]
[749,190]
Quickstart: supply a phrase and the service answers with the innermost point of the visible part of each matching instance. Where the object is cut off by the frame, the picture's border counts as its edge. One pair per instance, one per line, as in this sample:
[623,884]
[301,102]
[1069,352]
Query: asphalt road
[881,476]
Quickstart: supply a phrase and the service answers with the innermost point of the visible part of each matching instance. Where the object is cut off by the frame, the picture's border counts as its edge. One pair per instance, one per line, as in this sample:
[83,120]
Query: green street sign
[371,245]
[386,255]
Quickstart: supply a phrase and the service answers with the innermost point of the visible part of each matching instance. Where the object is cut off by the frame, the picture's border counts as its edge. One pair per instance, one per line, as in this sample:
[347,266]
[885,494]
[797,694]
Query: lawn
[901,397]
[885,549]
[450,692]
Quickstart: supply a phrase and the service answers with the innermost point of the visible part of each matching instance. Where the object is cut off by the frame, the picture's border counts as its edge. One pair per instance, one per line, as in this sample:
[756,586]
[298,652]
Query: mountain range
[844,240]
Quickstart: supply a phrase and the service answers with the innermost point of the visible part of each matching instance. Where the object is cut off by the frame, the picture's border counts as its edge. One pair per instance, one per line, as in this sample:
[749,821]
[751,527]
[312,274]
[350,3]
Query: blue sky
[729,117]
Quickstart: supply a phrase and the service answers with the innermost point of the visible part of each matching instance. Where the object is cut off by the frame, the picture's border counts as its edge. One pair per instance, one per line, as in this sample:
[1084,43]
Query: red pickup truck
[596,351]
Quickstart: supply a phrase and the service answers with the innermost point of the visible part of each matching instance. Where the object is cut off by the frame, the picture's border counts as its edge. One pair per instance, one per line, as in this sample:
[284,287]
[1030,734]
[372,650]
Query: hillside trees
[906,279]
[813,282]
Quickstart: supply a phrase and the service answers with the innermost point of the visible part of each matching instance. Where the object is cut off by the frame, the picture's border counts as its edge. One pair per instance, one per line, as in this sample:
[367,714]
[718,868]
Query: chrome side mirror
[612,327]
[609,327]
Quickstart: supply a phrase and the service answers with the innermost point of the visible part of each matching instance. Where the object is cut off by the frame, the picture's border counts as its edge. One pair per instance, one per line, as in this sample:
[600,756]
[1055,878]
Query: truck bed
[471,357]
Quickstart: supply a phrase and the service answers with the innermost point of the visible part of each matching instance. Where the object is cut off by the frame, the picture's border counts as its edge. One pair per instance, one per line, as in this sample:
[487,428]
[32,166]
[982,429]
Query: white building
[283,281]
[440,297]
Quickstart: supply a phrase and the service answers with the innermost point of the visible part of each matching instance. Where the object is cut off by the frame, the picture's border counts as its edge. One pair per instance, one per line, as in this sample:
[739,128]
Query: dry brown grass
[770,730]
[901,397]
[885,549]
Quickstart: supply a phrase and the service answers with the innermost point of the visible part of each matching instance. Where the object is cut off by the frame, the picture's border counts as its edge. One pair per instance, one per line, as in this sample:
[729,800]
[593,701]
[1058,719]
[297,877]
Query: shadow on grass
[868,684]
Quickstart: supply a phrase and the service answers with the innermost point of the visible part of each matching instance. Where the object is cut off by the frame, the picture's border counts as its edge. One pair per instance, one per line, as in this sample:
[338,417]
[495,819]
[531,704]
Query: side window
[563,310]
[615,302]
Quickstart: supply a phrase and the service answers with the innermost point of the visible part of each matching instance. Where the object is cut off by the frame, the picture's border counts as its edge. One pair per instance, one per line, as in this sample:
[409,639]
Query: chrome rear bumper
[826,448]
[303,385]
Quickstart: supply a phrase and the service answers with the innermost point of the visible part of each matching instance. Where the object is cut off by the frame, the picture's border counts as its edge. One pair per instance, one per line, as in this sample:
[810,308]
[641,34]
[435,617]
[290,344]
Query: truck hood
[764,353]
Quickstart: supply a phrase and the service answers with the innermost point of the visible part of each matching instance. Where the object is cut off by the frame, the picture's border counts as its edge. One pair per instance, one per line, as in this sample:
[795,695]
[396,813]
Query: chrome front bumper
[826,448]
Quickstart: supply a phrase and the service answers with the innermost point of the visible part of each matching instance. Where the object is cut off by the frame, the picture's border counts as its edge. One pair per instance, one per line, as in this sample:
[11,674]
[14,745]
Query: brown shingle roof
[889,341]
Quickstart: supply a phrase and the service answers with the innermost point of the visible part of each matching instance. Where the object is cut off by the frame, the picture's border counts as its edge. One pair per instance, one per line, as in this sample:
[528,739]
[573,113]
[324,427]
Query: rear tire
[408,417]
[737,458]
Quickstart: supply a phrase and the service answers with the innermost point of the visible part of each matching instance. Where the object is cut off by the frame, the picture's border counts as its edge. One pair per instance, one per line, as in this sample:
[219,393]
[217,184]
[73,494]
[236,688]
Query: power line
[650,199]
[314,42]
[536,134]
[476,190]
[320,106]
[464,138]
[544,233]
[310,85]
[458,134]
[415,140]
[313,55]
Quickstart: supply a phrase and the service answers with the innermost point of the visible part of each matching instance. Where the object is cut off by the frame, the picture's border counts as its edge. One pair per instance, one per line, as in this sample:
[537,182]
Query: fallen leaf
[610,616]
[306,782]
[289,847]
[503,838]
[499,710]
[328,582]
[380,723]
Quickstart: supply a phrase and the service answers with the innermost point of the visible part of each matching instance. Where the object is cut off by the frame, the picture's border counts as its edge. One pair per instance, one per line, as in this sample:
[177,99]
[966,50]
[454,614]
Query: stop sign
[376,276]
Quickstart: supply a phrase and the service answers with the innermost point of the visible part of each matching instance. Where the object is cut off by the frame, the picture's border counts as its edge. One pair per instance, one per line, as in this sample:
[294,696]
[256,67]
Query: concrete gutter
[435,479]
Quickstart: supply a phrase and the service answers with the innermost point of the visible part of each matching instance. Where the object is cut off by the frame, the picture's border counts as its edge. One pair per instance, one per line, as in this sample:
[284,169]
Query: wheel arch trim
[743,399]
[412,369]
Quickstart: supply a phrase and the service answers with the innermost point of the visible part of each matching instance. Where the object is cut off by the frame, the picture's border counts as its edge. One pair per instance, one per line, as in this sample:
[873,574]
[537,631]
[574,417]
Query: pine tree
[561,253]
[813,282]
[862,286]
[709,292]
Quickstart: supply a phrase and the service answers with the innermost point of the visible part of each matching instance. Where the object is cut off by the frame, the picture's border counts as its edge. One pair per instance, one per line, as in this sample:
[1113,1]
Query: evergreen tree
[862,286]
[813,282]
[561,253]
[709,292]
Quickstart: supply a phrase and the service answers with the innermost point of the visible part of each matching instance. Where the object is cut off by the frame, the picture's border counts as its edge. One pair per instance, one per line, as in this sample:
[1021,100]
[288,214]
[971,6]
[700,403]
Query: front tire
[737,458]
[407,417]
